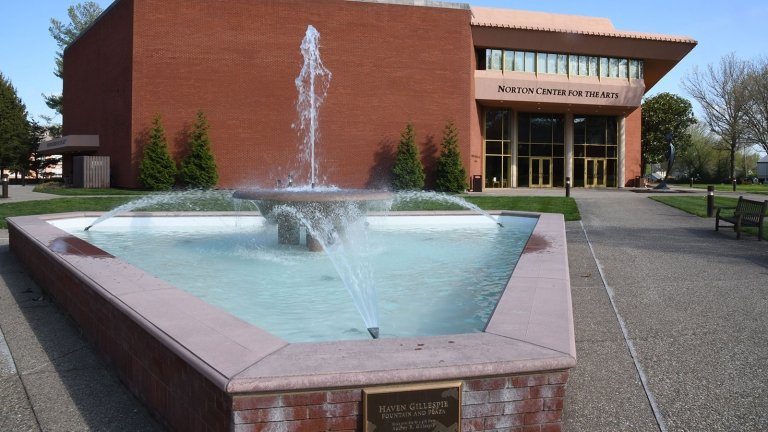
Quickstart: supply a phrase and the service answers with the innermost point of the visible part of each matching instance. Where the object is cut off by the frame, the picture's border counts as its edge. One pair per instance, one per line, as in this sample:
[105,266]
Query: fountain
[197,366]
[310,205]
[325,213]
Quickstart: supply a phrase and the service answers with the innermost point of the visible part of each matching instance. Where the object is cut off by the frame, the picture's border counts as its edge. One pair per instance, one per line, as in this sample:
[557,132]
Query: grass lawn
[58,205]
[746,188]
[221,201]
[58,189]
[565,206]
[697,205]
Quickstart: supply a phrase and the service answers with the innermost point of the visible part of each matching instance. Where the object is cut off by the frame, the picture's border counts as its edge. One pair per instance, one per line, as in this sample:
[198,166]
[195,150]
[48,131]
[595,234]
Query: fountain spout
[374,331]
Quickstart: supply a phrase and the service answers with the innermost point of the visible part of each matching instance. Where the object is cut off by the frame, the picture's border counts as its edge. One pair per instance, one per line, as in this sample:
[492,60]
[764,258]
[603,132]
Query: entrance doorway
[540,172]
[594,172]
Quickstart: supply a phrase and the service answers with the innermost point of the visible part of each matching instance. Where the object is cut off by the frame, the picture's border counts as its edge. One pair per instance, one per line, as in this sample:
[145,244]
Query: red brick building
[535,97]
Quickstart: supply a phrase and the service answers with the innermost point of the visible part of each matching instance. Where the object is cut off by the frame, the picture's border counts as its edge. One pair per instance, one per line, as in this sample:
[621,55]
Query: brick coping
[531,329]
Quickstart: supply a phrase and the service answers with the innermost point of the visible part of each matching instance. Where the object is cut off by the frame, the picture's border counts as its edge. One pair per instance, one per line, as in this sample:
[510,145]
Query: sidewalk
[692,303]
[18,193]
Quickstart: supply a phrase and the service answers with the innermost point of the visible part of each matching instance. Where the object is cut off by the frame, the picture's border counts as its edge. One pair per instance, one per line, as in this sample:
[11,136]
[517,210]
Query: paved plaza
[670,321]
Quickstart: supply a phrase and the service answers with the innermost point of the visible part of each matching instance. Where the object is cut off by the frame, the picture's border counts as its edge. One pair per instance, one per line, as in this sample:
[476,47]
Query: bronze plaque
[413,408]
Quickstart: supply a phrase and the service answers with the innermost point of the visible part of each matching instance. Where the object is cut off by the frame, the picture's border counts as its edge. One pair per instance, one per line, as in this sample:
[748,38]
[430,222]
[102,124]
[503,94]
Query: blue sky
[27,49]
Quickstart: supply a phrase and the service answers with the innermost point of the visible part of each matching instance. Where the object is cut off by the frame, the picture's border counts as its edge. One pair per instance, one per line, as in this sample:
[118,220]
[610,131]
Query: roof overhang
[70,144]
[538,31]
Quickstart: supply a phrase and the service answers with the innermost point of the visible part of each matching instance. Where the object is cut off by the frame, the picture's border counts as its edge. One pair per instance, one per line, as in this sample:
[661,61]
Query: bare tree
[757,110]
[722,93]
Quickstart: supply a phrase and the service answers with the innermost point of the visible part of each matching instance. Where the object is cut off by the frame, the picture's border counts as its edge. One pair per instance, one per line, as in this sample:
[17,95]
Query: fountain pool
[432,274]
[200,368]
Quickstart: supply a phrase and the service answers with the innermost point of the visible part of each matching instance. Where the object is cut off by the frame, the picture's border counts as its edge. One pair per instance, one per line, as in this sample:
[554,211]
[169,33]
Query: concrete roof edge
[420,3]
[616,34]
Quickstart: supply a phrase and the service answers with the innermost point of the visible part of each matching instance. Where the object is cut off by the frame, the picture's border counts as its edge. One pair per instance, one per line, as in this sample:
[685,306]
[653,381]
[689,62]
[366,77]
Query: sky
[27,49]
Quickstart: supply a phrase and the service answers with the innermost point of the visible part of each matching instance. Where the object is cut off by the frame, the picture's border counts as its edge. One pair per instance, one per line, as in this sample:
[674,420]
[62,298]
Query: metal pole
[710,201]
[733,181]
[567,187]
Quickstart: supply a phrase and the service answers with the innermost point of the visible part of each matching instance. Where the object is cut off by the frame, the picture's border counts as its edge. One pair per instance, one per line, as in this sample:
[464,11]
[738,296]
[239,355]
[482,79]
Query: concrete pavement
[657,295]
[692,303]
[18,193]
[51,379]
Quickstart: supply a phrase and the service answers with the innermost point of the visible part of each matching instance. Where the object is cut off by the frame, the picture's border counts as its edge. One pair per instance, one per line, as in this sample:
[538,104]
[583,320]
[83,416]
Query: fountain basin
[198,368]
[337,206]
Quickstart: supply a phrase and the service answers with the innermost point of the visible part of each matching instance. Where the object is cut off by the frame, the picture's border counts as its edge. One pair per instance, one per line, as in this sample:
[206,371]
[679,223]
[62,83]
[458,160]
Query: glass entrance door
[594,172]
[540,172]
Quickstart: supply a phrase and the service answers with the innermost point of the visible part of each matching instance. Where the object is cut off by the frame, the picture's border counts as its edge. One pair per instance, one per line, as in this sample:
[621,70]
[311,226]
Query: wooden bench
[747,213]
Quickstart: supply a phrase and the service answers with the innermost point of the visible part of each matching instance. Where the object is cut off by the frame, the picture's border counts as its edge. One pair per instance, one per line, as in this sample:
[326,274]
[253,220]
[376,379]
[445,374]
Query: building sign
[413,408]
[556,90]
[69,143]
[553,91]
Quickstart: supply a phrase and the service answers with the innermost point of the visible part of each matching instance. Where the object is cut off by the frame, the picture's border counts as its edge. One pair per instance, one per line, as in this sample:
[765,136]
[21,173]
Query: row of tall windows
[560,64]
[540,159]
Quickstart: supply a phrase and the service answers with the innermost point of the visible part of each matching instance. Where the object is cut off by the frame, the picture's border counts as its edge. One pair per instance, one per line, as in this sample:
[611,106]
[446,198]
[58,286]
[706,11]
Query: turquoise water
[433,275]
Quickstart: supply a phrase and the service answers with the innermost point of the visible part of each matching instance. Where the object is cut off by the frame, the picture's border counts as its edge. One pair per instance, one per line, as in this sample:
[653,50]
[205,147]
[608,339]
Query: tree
[81,16]
[14,126]
[700,159]
[757,107]
[28,159]
[722,93]
[157,171]
[662,115]
[407,172]
[198,169]
[451,176]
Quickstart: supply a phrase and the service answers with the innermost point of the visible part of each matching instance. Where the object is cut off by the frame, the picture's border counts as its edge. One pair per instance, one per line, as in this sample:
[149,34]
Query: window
[530,62]
[551,63]
[541,62]
[593,66]
[493,59]
[613,68]
[509,59]
[573,65]
[583,66]
[634,71]
[603,67]
[560,64]
[623,72]
[519,61]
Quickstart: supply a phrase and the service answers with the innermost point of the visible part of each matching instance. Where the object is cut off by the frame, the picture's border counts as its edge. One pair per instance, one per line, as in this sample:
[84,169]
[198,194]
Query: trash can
[477,183]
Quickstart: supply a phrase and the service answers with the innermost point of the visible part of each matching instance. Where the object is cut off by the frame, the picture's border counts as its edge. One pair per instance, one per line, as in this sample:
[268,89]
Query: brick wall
[236,60]
[98,90]
[517,403]
[176,393]
[522,403]
[633,146]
